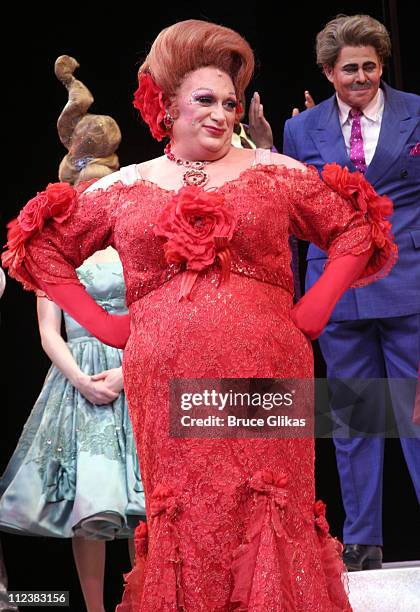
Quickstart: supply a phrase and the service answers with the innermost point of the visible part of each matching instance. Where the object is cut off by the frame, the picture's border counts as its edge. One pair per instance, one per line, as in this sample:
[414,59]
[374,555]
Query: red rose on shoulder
[31,218]
[338,178]
[61,200]
[57,202]
[355,187]
[350,185]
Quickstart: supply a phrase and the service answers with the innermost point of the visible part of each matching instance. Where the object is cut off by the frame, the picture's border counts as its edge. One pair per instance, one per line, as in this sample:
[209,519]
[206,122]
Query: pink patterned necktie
[357,153]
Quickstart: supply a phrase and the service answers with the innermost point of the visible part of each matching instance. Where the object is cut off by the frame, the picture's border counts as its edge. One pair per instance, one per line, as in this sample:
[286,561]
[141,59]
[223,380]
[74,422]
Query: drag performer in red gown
[232,523]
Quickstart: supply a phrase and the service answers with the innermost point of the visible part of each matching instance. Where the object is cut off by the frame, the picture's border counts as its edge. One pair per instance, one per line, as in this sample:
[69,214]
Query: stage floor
[394,588]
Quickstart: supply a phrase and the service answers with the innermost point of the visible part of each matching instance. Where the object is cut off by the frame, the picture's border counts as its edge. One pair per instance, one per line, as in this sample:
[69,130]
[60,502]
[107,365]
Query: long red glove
[75,300]
[312,312]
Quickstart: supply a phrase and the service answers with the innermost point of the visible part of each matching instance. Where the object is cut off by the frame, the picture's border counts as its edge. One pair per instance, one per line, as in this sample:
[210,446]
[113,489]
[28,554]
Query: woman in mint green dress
[74,473]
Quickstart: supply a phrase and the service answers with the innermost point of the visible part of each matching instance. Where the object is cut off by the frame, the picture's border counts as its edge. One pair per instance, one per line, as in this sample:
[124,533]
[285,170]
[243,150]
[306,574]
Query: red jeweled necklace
[194,173]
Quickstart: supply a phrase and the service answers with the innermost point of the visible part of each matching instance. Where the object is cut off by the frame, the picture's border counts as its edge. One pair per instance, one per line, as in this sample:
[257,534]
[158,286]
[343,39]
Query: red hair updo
[181,49]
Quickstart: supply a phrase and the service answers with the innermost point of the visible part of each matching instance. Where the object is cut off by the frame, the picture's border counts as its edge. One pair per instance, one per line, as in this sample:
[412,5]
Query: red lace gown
[231,523]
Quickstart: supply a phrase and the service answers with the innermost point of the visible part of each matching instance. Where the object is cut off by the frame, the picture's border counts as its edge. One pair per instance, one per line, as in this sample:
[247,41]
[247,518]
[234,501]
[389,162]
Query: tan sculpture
[91,140]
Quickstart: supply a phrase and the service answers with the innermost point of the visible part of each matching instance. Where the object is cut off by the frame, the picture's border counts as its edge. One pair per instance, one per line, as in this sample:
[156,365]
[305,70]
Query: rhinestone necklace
[194,174]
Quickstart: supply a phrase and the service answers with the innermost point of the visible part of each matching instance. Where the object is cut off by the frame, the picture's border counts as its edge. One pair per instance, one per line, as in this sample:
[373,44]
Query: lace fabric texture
[231,523]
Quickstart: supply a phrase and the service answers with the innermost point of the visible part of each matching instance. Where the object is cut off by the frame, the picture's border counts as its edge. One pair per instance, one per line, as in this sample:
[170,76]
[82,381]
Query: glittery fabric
[231,522]
[357,153]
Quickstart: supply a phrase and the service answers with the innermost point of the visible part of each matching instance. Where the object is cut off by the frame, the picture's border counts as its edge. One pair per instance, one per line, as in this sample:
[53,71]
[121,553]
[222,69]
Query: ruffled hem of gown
[266,551]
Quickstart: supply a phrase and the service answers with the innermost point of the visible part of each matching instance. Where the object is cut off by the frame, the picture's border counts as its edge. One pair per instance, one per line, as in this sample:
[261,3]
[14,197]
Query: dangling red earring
[168,120]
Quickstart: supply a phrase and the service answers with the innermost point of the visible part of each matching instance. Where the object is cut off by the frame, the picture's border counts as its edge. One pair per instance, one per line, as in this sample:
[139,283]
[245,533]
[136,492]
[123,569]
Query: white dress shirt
[370,122]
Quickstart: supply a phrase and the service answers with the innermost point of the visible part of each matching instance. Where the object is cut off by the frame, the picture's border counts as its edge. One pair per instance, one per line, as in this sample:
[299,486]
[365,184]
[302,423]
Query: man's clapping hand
[309,103]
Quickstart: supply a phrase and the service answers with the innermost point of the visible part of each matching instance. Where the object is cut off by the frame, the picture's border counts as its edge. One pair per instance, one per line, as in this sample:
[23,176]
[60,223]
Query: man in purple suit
[374,332]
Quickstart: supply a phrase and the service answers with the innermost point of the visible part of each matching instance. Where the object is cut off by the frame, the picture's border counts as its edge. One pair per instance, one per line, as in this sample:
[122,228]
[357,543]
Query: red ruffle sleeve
[342,214]
[55,232]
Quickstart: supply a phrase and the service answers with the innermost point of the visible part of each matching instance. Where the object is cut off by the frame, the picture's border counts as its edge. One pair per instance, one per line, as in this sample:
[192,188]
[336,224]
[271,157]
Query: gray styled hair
[351,31]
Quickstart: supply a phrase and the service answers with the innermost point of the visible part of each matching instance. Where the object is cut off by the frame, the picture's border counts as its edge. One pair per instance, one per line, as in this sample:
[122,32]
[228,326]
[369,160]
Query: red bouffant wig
[183,48]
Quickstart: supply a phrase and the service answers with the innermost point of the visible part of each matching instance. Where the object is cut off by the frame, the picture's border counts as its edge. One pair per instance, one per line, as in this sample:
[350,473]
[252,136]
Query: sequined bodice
[269,203]
[259,247]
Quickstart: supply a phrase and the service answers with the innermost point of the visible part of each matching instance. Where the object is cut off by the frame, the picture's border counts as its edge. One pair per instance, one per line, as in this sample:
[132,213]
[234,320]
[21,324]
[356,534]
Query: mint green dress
[75,470]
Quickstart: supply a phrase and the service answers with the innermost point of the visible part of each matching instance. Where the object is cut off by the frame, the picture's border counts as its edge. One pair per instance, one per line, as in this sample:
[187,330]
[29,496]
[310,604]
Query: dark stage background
[109,46]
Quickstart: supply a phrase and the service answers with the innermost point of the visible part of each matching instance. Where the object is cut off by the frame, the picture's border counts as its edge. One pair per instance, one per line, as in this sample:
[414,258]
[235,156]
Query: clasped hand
[102,388]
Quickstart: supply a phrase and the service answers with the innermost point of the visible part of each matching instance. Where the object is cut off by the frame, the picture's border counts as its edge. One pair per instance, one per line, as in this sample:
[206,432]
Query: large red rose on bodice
[198,227]
[197,224]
